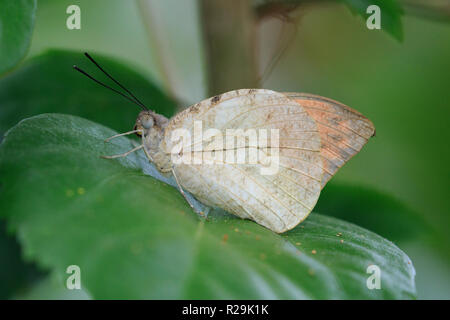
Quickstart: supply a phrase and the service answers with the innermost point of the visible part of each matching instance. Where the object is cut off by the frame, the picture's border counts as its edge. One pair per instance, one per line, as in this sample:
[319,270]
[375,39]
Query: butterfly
[311,137]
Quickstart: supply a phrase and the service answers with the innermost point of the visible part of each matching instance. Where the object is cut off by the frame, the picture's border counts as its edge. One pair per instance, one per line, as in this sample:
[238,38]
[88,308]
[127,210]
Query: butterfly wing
[343,130]
[277,201]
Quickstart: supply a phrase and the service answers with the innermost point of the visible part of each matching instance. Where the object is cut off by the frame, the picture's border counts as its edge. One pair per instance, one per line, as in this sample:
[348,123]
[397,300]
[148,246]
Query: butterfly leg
[123,154]
[199,212]
[134,143]
[123,134]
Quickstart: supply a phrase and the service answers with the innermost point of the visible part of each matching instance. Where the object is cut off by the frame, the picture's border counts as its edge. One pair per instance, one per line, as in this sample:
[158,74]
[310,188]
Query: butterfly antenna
[108,87]
[117,82]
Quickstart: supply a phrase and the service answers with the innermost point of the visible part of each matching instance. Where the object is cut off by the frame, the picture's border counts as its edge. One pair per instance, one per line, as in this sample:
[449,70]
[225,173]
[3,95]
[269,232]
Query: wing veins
[253,196]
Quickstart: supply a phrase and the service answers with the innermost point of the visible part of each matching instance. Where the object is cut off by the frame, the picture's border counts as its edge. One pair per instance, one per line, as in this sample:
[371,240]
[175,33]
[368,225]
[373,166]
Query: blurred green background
[402,86]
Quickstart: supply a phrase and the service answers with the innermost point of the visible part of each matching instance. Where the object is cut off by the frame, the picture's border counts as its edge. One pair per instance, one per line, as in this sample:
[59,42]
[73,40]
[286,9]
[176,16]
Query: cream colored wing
[343,130]
[278,201]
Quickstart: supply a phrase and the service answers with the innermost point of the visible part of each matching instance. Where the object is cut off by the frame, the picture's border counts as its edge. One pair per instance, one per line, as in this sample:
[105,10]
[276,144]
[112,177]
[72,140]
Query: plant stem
[230,38]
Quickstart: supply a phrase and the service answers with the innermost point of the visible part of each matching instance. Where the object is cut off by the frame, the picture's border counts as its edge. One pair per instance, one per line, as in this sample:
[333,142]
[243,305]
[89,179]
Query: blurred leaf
[48,83]
[15,274]
[135,237]
[391,12]
[433,270]
[16,28]
[374,210]
[436,10]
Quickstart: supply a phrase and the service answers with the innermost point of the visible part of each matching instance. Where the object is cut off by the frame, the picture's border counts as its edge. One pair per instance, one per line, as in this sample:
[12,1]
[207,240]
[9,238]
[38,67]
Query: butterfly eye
[148,123]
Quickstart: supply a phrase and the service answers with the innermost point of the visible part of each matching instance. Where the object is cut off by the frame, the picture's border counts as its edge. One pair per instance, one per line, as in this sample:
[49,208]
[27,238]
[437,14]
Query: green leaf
[374,210]
[135,237]
[16,28]
[51,288]
[48,83]
[391,12]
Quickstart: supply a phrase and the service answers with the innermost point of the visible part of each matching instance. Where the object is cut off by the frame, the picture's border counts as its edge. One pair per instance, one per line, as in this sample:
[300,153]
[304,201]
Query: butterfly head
[144,122]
